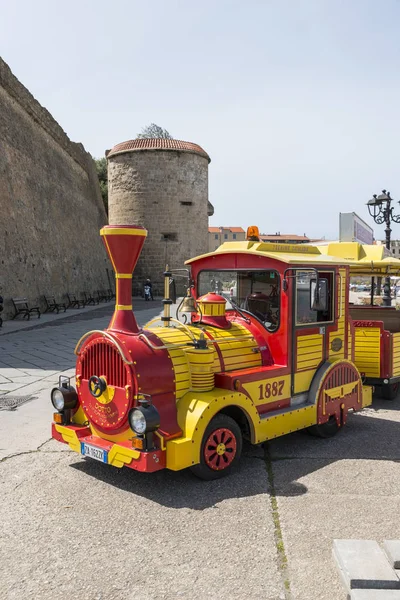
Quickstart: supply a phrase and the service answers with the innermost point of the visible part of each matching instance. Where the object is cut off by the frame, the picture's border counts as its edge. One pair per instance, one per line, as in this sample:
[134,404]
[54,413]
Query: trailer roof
[361,258]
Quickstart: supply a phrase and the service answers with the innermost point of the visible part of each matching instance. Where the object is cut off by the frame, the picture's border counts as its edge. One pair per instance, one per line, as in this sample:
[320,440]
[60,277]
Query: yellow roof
[362,259]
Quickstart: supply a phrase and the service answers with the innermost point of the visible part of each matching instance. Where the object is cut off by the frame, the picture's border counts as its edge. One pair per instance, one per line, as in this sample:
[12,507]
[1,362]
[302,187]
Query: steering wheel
[97,386]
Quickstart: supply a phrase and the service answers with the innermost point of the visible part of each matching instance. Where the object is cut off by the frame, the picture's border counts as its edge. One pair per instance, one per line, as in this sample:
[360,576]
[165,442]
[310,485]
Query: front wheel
[390,391]
[220,450]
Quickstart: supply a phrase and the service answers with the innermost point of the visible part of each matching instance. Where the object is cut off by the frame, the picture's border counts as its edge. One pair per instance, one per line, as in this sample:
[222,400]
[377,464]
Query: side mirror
[319,295]
[172,290]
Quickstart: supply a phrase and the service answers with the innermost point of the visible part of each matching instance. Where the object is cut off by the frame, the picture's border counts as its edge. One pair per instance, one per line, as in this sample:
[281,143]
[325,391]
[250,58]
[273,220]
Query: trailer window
[304,313]
[258,292]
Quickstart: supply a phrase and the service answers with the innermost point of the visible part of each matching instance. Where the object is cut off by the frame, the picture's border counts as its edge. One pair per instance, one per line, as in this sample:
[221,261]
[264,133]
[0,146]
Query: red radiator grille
[104,359]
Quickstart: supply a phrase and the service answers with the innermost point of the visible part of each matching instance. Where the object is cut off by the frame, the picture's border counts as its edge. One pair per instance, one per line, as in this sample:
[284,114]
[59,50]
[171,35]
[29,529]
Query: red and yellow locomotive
[175,395]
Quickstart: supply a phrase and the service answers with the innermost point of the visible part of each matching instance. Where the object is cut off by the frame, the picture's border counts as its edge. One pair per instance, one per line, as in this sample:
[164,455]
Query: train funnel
[124,244]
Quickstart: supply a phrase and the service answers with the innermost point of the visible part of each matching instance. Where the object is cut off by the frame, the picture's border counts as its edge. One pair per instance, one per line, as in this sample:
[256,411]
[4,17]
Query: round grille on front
[109,412]
[104,359]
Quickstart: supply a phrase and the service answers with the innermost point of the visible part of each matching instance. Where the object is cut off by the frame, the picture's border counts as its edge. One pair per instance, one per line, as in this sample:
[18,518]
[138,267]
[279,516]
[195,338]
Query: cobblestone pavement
[71,529]
[40,350]
[75,528]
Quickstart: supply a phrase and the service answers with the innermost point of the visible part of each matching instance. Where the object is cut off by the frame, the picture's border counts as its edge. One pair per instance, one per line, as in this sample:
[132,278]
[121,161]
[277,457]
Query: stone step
[363,565]
[375,595]
[392,549]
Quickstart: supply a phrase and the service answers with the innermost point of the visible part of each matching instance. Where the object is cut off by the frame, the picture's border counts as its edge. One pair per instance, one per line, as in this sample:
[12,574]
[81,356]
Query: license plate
[94,452]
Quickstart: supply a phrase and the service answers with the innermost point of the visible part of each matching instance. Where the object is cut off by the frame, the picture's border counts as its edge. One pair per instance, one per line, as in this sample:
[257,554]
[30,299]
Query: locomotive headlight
[137,421]
[64,396]
[144,419]
[57,399]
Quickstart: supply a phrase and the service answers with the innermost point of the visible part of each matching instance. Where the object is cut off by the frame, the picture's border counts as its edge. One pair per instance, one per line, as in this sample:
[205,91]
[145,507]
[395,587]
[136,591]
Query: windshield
[258,292]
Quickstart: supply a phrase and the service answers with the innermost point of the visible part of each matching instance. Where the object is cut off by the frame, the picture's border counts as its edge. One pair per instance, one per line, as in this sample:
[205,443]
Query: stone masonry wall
[50,203]
[166,192]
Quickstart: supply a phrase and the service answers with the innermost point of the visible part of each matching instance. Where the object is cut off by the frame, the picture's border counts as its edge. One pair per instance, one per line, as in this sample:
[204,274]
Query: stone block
[363,565]
[392,549]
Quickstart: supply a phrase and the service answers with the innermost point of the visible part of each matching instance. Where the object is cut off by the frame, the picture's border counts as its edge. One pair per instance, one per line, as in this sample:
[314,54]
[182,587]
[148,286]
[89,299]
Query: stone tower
[161,184]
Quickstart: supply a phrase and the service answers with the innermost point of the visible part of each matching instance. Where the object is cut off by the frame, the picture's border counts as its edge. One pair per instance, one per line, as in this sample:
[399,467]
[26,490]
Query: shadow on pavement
[380,403]
[291,457]
[363,438]
[182,489]
[102,311]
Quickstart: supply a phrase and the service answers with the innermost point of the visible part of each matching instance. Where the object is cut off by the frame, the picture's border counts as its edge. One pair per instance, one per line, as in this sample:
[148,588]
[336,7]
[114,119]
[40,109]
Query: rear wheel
[325,430]
[220,450]
[390,391]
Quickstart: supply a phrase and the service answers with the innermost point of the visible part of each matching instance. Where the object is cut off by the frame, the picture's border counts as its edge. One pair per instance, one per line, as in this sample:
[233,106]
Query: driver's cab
[292,298]
[255,292]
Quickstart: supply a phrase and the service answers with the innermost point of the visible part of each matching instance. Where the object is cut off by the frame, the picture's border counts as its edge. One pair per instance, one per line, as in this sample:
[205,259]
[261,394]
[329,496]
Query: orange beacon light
[253,233]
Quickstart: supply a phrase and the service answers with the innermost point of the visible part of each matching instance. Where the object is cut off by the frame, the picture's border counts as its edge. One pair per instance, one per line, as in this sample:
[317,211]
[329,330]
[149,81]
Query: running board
[286,420]
[283,411]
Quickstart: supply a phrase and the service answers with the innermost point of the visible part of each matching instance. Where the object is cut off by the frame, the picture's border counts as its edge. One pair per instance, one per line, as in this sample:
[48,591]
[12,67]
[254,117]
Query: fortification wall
[51,208]
[166,191]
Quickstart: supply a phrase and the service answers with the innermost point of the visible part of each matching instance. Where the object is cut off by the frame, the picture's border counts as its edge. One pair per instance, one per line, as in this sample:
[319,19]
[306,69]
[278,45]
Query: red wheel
[220,449]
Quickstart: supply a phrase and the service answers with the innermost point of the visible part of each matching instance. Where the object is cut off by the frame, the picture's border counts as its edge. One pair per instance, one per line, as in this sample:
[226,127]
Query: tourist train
[264,344]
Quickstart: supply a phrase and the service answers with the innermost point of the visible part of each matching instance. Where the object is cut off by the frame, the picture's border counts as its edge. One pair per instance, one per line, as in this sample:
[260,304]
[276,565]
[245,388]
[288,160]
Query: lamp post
[381,211]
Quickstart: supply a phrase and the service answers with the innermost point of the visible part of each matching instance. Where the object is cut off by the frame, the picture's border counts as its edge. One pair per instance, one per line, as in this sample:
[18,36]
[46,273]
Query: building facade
[394,247]
[219,235]
[161,184]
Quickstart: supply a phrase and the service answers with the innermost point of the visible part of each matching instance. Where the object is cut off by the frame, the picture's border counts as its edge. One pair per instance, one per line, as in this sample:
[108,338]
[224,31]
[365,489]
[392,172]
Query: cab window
[257,292]
[305,287]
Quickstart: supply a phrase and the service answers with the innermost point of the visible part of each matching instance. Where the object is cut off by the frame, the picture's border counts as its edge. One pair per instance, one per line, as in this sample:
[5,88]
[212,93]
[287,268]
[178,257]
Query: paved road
[71,527]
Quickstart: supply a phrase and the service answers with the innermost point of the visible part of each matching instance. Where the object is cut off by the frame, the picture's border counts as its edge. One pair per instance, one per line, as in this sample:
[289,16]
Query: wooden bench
[21,307]
[88,298]
[73,301]
[52,305]
[102,295]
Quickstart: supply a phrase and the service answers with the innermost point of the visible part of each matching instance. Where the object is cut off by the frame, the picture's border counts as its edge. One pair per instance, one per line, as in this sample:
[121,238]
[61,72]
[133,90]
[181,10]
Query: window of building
[257,292]
[225,236]
[169,237]
[216,236]
[234,236]
[394,250]
[304,313]
[186,203]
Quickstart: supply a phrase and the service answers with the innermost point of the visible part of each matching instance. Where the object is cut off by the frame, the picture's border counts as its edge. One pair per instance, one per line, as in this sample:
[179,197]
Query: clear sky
[296,101]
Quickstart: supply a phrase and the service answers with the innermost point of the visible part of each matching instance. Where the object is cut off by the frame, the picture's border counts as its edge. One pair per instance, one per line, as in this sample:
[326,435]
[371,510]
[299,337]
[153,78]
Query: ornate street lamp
[381,211]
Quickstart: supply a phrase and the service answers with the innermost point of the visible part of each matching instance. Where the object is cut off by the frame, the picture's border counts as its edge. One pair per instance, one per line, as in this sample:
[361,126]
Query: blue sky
[296,101]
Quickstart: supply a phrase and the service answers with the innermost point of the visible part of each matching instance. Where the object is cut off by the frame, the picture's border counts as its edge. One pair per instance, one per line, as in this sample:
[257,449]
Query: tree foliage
[154,131]
[101,168]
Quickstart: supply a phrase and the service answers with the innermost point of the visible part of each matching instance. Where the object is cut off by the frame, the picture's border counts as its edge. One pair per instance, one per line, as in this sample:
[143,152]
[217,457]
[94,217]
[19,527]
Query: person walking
[148,290]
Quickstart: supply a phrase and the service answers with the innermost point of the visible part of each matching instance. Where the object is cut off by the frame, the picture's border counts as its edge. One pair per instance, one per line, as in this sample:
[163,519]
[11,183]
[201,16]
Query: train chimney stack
[124,244]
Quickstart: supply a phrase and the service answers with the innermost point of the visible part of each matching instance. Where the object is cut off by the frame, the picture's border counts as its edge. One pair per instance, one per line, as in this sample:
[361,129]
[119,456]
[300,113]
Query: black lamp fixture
[381,210]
